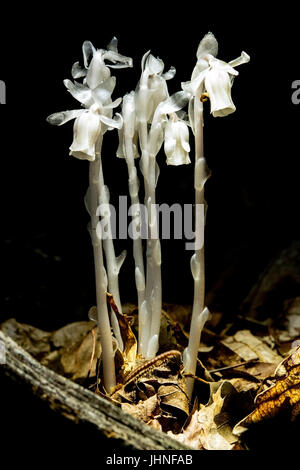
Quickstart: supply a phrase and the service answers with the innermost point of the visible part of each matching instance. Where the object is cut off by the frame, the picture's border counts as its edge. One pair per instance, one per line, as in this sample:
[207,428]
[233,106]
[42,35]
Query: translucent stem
[137,240]
[101,283]
[153,249]
[198,267]
[113,264]
[145,320]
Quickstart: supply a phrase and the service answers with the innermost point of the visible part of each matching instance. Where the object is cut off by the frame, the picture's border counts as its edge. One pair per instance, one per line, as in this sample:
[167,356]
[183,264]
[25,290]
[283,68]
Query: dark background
[253,194]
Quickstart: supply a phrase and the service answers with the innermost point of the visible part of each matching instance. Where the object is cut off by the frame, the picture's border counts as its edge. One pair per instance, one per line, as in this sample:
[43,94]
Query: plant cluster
[149,119]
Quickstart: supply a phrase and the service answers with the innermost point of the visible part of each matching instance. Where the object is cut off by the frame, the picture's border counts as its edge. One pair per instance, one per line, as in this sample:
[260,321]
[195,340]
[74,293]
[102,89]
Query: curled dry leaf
[282,396]
[35,341]
[162,378]
[146,410]
[249,347]
[78,347]
[202,430]
[129,339]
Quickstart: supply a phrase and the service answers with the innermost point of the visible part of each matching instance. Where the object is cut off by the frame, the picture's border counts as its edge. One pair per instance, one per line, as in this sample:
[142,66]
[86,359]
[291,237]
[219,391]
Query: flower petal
[222,66]
[57,119]
[208,45]
[98,72]
[154,65]
[115,123]
[102,93]
[80,92]
[192,86]
[113,45]
[169,74]
[144,59]
[243,59]
[77,71]
[113,104]
[88,51]
[174,103]
[218,85]
[87,128]
[119,61]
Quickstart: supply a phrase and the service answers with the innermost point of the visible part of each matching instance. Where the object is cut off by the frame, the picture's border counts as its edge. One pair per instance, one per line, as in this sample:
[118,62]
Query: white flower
[95,96]
[176,145]
[214,77]
[87,128]
[95,69]
[218,82]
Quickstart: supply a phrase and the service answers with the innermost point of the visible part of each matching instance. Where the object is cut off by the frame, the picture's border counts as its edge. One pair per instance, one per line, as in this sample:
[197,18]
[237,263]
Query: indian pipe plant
[149,119]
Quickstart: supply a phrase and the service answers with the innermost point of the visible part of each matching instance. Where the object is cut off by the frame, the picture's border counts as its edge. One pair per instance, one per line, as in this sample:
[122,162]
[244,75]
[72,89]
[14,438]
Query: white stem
[137,241]
[101,283]
[198,267]
[191,352]
[153,251]
[146,315]
[112,265]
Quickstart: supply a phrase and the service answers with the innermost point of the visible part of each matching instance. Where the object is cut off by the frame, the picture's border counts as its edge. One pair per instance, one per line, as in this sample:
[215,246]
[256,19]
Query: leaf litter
[244,376]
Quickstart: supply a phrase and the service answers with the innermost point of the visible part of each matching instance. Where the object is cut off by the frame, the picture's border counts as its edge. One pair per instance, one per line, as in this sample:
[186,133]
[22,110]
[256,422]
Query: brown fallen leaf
[129,339]
[249,347]
[282,396]
[78,347]
[162,378]
[202,431]
[146,410]
[81,362]
[35,341]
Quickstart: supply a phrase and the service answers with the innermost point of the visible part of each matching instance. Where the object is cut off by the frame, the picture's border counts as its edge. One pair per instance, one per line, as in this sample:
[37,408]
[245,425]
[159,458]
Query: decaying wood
[79,404]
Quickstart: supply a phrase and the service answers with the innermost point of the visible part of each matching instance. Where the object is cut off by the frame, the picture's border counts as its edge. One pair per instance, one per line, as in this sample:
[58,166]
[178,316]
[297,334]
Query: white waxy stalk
[100,277]
[90,125]
[215,77]
[191,352]
[143,323]
[129,125]
[113,264]
[152,347]
[197,260]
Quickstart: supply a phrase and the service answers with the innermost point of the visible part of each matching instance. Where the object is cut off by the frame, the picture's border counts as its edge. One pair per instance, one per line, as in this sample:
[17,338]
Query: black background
[253,194]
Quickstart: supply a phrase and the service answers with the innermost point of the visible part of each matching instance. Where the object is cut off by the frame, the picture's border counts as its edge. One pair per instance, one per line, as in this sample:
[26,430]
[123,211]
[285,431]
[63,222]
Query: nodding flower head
[87,128]
[94,94]
[214,77]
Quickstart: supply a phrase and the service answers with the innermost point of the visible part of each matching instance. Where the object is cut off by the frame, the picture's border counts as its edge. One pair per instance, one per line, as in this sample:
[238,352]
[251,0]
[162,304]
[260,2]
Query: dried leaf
[249,347]
[77,363]
[129,340]
[145,410]
[202,431]
[173,398]
[72,334]
[282,396]
[75,348]
[161,378]
[35,341]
